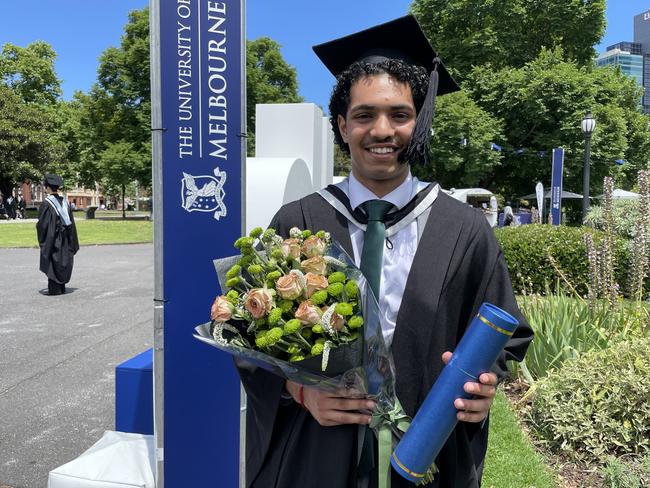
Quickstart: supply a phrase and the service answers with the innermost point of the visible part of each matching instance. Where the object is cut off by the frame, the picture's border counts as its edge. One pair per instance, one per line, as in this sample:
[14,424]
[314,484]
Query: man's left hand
[477,408]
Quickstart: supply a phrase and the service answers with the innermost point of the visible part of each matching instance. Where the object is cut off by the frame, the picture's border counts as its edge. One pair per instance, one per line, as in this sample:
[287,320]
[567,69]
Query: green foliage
[28,141]
[526,249]
[625,213]
[565,327]
[541,105]
[502,33]
[29,72]
[597,405]
[269,79]
[454,164]
[342,162]
[620,473]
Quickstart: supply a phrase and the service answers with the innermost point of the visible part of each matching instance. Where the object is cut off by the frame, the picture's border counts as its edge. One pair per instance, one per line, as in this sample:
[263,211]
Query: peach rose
[314,283]
[307,313]
[313,246]
[221,310]
[291,248]
[289,286]
[316,265]
[258,302]
[337,321]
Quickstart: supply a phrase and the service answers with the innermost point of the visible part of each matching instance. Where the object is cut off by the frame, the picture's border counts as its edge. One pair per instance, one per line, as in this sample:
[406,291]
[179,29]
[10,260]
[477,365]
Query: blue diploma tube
[477,351]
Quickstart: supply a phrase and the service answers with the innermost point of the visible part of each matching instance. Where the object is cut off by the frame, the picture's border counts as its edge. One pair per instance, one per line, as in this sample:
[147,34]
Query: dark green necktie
[373,242]
[371,264]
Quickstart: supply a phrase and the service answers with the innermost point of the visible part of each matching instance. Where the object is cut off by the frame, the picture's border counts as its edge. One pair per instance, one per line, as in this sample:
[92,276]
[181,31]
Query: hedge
[526,249]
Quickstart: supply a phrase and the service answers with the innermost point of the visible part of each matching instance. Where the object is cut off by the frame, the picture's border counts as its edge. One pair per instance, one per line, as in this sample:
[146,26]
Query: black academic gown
[58,243]
[458,266]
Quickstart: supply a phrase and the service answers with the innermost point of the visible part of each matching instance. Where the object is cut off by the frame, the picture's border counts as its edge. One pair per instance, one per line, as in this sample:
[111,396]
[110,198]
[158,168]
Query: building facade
[633,57]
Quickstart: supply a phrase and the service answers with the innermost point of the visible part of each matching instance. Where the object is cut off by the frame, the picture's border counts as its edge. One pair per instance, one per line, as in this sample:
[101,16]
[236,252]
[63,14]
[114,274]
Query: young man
[440,262]
[57,236]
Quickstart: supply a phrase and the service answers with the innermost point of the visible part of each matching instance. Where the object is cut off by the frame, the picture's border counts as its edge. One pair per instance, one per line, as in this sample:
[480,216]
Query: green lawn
[511,460]
[90,232]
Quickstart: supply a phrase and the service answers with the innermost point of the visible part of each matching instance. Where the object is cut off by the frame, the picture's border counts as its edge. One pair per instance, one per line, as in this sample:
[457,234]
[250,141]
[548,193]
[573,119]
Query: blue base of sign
[134,394]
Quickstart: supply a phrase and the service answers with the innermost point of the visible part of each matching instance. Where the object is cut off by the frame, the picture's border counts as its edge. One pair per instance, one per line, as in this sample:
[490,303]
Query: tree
[541,105]
[28,140]
[29,72]
[269,79]
[461,154]
[502,33]
[120,164]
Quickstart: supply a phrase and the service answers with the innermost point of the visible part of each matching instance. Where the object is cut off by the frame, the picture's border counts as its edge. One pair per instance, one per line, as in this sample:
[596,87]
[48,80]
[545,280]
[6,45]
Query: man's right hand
[333,408]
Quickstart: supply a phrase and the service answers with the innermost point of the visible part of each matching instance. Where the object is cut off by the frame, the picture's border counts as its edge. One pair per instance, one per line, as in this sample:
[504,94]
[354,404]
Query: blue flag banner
[198,49]
[620,161]
[495,147]
[556,185]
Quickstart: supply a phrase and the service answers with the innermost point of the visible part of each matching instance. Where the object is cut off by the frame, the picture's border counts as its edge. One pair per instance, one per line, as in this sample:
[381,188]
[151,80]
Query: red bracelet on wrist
[301,396]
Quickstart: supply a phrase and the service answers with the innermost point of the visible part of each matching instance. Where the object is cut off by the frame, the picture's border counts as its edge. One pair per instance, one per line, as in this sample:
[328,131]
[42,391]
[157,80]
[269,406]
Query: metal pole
[585,177]
[157,202]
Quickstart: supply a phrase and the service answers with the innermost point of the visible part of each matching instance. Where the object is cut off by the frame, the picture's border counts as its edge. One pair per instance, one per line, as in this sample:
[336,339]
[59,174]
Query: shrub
[620,473]
[597,405]
[526,249]
[624,212]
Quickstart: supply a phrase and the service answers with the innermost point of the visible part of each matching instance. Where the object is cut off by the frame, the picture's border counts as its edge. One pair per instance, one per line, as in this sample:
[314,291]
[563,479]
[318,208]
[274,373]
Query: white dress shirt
[396,261]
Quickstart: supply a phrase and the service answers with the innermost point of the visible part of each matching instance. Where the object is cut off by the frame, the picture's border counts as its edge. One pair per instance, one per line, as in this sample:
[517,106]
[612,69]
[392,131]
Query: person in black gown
[57,236]
[442,263]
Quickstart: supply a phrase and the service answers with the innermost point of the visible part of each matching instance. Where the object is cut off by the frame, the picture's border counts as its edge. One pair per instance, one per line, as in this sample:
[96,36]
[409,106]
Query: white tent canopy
[619,194]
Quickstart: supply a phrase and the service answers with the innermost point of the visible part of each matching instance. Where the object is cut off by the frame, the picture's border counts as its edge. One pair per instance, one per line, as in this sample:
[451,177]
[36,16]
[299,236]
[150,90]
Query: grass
[511,460]
[90,232]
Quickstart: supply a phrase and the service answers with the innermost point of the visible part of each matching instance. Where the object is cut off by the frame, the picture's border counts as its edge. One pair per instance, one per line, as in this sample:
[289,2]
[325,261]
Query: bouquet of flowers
[300,308]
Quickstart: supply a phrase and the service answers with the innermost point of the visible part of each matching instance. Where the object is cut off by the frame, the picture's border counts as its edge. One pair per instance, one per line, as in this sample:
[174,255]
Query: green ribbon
[385,422]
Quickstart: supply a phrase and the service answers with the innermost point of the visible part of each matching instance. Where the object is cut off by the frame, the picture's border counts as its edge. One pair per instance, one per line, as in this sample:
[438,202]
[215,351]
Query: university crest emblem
[204,193]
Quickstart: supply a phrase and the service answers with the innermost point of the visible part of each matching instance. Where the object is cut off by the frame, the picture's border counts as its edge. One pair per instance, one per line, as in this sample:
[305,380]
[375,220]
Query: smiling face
[377,127]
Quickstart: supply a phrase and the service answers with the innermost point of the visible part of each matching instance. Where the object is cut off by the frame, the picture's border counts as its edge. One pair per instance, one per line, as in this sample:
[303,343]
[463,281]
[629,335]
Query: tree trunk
[123,207]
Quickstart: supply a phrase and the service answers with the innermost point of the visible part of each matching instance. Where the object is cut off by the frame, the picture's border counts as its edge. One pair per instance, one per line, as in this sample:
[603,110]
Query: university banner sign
[556,185]
[197,64]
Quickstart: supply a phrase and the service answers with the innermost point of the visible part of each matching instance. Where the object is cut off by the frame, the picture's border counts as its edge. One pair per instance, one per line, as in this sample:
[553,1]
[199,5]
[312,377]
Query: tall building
[633,57]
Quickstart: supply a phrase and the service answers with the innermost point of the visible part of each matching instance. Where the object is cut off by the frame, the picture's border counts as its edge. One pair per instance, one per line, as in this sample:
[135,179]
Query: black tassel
[417,152]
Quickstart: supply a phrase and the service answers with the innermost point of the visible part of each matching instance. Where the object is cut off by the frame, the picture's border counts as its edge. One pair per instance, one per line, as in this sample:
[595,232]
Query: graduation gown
[458,266]
[58,242]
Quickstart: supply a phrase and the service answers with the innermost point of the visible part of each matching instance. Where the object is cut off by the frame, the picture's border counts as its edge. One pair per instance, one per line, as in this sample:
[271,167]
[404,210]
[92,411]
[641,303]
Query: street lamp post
[588,125]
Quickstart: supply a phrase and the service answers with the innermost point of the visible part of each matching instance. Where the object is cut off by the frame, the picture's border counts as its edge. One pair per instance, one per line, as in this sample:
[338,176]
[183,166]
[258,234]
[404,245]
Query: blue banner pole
[198,124]
[556,185]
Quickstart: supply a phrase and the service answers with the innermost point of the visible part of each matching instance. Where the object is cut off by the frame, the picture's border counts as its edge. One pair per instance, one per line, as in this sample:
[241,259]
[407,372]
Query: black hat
[399,39]
[52,180]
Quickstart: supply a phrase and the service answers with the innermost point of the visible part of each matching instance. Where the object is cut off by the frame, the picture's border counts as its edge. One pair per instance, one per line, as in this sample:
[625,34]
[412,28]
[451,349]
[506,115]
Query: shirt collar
[399,197]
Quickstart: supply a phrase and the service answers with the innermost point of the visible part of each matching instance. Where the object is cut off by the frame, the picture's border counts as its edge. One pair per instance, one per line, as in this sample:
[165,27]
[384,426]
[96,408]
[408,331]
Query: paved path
[58,354]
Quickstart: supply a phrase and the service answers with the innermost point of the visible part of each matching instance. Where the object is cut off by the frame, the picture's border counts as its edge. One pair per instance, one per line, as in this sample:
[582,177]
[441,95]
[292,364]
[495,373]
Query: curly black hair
[416,76]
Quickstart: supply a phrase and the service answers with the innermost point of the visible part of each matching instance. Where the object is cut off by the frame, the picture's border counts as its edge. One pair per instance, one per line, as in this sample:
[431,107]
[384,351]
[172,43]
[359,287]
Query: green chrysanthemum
[273,275]
[344,309]
[293,349]
[260,322]
[285,305]
[321,340]
[335,289]
[355,322]
[274,316]
[306,333]
[321,234]
[317,349]
[232,282]
[274,335]
[336,277]
[352,289]
[256,232]
[247,242]
[268,234]
[317,329]
[277,254]
[238,243]
[232,296]
[292,326]
[306,234]
[245,261]
[261,341]
[255,269]
[296,357]
[233,271]
[319,297]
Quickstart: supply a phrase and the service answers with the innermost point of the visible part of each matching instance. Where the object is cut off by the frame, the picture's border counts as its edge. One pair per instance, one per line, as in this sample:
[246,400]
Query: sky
[80,30]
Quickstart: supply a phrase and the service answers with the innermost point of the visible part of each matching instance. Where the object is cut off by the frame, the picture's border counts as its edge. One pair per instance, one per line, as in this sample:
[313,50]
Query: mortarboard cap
[402,39]
[52,180]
